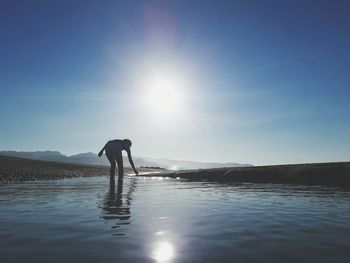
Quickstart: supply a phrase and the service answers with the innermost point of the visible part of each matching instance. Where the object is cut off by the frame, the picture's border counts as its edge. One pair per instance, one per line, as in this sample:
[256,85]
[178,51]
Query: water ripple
[139,219]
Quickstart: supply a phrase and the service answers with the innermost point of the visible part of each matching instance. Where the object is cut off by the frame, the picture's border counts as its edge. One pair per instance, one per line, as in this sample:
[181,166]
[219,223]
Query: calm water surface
[166,220]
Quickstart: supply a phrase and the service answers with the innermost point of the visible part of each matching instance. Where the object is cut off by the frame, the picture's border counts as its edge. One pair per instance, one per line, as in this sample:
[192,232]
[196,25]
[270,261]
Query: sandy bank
[333,174]
[13,169]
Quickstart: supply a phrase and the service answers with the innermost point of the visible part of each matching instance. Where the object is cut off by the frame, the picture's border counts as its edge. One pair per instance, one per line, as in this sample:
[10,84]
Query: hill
[92,159]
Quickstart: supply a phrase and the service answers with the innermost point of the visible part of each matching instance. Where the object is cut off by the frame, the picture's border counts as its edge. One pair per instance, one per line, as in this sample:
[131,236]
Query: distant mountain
[183,165]
[38,155]
[92,158]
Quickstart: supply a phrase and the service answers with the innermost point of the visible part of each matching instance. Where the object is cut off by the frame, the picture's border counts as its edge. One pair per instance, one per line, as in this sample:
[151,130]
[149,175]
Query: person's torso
[114,147]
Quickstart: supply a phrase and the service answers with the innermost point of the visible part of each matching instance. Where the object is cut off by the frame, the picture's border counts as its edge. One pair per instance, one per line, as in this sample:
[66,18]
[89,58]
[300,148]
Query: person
[113,150]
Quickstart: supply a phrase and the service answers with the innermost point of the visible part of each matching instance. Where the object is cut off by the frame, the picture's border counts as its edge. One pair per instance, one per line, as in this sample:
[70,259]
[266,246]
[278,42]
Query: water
[166,220]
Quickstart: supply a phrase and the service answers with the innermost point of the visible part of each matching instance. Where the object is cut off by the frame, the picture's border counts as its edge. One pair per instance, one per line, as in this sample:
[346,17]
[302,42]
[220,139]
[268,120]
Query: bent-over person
[113,150]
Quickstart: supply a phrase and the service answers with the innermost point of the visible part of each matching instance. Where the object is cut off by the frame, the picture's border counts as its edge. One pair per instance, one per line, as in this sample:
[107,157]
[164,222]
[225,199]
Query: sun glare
[163,252]
[164,95]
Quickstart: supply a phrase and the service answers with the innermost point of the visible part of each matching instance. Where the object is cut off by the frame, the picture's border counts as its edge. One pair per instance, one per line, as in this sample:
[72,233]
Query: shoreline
[14,169]
[331,174]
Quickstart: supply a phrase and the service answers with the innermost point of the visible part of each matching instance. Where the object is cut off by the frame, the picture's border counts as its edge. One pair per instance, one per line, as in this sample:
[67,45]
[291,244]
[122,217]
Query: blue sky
[262,82]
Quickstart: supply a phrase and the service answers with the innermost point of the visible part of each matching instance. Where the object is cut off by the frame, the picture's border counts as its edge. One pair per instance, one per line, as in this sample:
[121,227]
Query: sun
[164,95]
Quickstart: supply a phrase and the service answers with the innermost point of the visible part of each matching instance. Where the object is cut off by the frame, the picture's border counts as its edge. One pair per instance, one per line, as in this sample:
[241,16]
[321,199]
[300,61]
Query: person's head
[127,143]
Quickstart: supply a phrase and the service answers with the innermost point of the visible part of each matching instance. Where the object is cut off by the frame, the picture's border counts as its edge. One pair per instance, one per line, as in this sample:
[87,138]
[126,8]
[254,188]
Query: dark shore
[332,174]
[13,169]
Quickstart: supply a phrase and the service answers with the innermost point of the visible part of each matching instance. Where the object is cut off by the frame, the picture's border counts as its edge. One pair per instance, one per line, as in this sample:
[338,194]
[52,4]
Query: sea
[156,219]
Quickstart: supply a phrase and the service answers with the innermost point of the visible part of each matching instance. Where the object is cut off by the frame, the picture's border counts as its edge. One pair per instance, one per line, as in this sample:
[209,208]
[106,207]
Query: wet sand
[332,174]
[14,169]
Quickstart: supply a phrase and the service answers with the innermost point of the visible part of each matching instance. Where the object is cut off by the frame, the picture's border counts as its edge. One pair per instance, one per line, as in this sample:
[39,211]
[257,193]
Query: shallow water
[166,220]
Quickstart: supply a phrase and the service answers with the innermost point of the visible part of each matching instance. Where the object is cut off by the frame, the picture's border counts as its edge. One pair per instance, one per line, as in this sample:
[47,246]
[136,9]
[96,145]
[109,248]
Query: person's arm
[131,161]
[101,152]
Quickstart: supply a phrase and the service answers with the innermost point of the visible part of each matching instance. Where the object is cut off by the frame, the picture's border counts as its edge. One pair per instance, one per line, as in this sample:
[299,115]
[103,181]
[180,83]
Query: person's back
[113,150]
[114,147]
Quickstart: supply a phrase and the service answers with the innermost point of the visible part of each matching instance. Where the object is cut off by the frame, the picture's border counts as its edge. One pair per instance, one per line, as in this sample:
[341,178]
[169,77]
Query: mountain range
[92,158]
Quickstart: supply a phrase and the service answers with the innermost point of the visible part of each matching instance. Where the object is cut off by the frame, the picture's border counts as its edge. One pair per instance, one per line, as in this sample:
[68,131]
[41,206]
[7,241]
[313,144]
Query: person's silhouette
[113,151]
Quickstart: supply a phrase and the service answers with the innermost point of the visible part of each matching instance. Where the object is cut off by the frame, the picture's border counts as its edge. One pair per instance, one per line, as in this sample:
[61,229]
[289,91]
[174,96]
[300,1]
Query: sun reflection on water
[163,251]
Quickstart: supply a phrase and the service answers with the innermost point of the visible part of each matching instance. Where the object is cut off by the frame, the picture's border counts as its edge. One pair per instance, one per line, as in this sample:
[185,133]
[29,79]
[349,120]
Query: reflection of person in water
[114,207]
[113,151]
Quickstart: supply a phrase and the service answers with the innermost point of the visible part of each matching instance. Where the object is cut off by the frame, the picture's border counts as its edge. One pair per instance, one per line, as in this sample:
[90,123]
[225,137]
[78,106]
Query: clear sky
[262,82]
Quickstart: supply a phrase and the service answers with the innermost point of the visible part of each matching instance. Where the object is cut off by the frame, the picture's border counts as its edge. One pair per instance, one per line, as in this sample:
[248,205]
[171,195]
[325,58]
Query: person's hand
[100,154]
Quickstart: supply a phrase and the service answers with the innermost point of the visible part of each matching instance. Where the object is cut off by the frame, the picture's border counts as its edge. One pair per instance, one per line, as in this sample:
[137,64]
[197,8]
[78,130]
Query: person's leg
[111,160]
[120,165]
